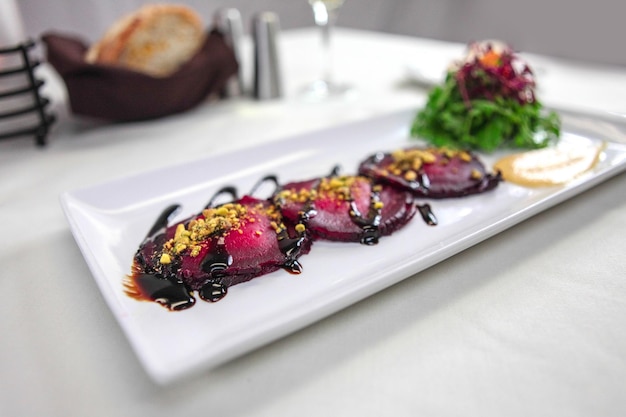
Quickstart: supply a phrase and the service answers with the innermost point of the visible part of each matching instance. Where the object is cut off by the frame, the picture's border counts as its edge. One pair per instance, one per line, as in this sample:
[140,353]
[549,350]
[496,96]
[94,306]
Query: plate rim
[69,198]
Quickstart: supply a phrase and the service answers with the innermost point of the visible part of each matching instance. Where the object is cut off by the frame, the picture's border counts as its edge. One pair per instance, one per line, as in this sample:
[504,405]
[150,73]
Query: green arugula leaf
[486,125]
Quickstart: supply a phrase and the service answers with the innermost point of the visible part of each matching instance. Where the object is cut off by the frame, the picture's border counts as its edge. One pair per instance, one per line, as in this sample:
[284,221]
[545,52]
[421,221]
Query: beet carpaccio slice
[234,242]
[207,253]
[431,172]
[346,208]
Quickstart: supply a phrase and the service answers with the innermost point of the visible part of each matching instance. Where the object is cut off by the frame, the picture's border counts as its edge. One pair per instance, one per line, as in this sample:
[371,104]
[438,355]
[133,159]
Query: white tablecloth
[529,322]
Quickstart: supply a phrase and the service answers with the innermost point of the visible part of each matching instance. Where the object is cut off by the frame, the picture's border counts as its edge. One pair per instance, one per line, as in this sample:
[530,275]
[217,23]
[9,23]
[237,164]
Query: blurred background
[581,30]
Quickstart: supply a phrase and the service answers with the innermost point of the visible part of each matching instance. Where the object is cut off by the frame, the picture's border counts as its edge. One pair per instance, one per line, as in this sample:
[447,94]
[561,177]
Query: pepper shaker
[267,73]
[228,22]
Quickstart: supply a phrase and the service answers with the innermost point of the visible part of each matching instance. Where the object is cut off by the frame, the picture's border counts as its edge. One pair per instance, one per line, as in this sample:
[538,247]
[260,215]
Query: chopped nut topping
[410,175]
[406,160]
[338,187]
[165,259]
[212,222]
[300,196]
[449,153]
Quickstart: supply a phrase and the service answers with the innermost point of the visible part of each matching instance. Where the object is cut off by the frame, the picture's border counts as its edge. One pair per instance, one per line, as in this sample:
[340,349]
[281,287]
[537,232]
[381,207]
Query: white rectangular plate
[110,220]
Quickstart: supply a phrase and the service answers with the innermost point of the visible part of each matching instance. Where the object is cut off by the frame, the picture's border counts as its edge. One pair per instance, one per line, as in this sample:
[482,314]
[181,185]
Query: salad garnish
[486,102]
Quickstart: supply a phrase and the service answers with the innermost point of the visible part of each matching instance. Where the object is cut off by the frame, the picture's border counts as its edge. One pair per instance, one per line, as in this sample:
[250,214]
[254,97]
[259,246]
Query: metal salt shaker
[267,74]
[228,22]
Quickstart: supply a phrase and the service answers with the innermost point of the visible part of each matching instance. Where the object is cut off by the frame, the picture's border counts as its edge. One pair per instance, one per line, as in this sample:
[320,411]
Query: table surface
[529,322]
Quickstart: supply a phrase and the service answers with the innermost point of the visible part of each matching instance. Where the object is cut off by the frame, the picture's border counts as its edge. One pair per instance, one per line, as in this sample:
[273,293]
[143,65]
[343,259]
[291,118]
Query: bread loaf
[156,40]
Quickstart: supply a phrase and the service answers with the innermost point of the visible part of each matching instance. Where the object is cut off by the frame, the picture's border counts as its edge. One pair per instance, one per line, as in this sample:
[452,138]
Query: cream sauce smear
[550,166]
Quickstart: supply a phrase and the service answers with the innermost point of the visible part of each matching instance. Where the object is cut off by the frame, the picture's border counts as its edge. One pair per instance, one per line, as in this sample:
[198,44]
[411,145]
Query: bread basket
[119,94]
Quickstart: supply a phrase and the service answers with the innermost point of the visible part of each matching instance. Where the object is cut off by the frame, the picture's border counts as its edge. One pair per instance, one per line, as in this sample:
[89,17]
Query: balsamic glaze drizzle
[427,214]
[160,224]
[369,225]
[165,291]
[291,247]
[213,291]
[271,178]
[226,190]
[164,287]
[217,260]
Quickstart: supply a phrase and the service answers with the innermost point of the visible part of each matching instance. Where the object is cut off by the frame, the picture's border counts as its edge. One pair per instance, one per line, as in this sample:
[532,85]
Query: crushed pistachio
[410,175]
[297,196]
[465,156]
[212,222]
[408,162]
[338,187]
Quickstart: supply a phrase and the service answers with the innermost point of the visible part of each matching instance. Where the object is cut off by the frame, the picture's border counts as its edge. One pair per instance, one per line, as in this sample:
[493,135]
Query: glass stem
[325,19]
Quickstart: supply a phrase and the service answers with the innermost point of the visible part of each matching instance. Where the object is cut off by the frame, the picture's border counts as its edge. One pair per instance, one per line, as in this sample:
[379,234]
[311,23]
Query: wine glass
[325,14]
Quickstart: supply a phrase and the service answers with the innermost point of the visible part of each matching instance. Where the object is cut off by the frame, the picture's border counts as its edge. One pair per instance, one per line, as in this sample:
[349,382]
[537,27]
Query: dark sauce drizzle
[166,289]
[214,264]
[289,247]
[168,292]
[421,183]
[268,178]
[427,214]
[160,224]
[213,291]
[226,190]
[369,225]
[218,260]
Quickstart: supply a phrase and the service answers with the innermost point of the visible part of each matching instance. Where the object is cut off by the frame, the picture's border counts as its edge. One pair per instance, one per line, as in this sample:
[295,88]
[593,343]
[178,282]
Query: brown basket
[119,94]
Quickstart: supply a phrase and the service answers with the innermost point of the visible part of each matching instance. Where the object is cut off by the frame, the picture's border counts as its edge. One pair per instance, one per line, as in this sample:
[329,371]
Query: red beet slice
[346,208]
[209,252]
[431,172]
